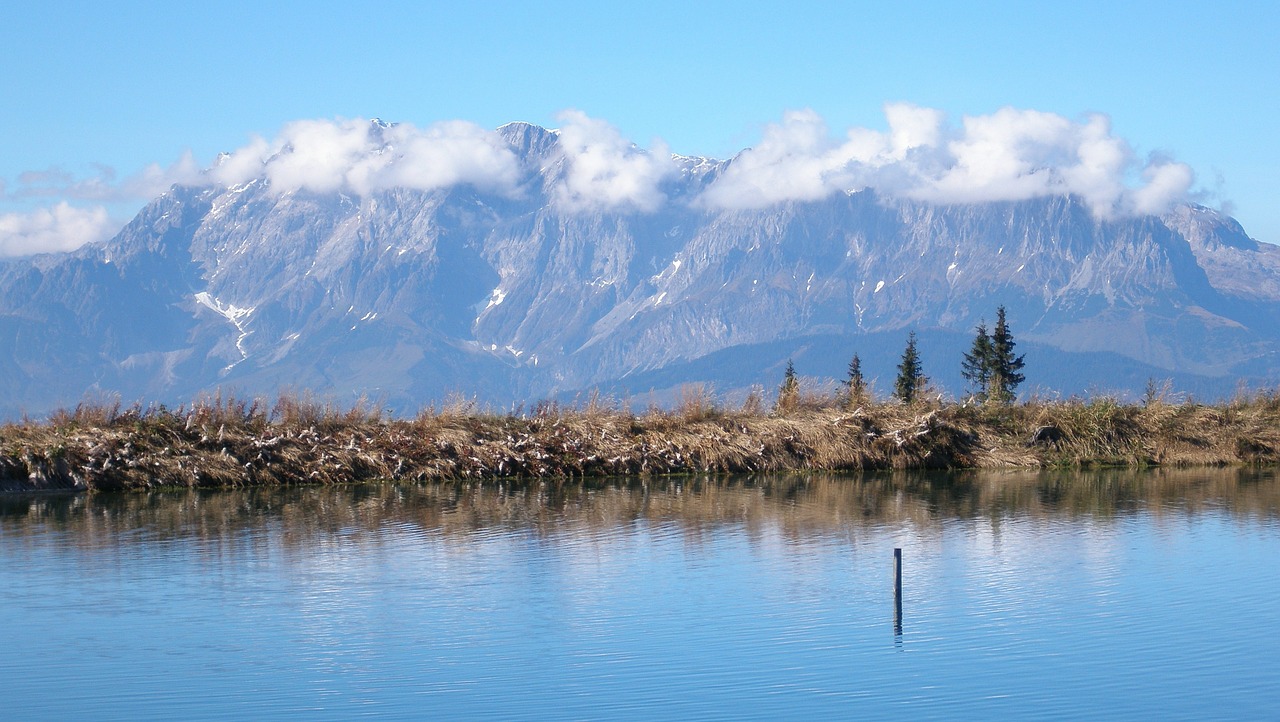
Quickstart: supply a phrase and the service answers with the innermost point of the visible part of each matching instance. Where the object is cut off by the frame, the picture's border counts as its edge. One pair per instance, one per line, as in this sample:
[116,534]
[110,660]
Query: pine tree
[855,386]
[789,391]
[976,368]
[911,380]
[1005,367]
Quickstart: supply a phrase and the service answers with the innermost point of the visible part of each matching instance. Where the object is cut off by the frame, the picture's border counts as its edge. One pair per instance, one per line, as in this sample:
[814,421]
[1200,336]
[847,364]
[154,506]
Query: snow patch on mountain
[237,315]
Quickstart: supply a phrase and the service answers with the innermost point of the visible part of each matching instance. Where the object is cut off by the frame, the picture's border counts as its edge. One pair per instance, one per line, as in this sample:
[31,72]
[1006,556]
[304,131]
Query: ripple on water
[764,599]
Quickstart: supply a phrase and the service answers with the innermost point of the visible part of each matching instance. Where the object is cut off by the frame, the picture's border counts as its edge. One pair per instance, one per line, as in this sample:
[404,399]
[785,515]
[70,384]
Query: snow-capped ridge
[521,263]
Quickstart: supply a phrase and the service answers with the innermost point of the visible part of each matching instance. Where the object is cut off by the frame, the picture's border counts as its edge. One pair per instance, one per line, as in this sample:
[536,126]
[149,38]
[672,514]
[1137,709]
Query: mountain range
[406,296]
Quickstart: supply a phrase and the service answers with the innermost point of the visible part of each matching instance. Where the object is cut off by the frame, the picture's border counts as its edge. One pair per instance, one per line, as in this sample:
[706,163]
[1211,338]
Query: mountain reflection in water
[1101,594]
[797,504]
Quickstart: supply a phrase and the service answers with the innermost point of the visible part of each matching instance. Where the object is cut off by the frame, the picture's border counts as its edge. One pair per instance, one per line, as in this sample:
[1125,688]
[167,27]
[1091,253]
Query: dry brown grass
[224,441]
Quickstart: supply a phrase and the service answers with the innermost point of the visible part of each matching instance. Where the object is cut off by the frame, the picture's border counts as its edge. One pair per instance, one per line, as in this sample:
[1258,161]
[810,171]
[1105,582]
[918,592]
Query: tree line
[991,368]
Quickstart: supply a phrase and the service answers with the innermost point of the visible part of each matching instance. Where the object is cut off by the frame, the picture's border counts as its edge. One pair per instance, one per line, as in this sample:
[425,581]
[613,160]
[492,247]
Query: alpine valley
[408,296]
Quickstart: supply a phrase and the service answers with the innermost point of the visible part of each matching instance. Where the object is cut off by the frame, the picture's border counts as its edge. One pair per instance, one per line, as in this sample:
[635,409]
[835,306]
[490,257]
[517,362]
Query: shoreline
[230,443]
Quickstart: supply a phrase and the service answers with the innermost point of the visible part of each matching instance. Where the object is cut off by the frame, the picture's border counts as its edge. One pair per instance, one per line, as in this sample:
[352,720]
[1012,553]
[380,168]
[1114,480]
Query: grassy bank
[221,442]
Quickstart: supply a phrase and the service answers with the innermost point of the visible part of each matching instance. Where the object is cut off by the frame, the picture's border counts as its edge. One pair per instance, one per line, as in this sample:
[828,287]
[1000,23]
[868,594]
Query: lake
[1115,594]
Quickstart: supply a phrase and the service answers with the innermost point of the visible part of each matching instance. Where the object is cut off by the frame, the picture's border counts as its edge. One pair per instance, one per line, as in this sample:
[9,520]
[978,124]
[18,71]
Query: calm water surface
[1114,595]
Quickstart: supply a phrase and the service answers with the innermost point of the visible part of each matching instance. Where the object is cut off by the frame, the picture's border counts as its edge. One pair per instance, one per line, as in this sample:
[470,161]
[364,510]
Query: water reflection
[897,595]
[1059,594]
[796,506]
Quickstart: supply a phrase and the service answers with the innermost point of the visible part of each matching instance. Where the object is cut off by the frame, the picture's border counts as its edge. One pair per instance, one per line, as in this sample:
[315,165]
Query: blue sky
[97,92]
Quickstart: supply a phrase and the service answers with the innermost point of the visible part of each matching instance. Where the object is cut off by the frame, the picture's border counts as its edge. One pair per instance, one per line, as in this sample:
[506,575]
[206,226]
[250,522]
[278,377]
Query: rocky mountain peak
[530,142]
[407,295]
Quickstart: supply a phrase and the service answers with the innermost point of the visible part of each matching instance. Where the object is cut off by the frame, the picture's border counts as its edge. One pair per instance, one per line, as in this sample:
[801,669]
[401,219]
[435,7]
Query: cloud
[362,156]
[354,156]
[793,161]
[603,170]
[104,185]
[62,227]
[65,227]
[1011,154]
[1166,184]
[155,179]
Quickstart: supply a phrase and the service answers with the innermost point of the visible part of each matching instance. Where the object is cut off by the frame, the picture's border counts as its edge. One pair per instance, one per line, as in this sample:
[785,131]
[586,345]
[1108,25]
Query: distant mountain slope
[407,295]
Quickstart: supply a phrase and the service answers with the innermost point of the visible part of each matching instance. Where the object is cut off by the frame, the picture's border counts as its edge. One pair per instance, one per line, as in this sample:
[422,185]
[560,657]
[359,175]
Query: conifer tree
[789,391]
[911,379]
[1005,366]
[976,368]
[855,386]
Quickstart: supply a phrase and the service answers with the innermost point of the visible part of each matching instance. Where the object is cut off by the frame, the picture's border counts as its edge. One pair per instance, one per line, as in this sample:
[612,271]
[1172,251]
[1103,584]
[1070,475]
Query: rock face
[408,296]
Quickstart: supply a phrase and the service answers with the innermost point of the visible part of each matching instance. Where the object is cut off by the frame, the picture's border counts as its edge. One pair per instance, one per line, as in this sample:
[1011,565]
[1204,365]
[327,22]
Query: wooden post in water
[897,574]
[897,591]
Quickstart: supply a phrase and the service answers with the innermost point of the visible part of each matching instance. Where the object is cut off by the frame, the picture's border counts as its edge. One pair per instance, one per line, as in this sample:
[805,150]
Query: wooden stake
[897,591]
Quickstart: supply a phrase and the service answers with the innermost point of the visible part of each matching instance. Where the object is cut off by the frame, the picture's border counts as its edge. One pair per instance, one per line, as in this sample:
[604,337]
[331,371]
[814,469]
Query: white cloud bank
[66,227]
[104,186]
[602,170]
[62,227]
[1008,155]
[360,156]
[355,156]
[605,170]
